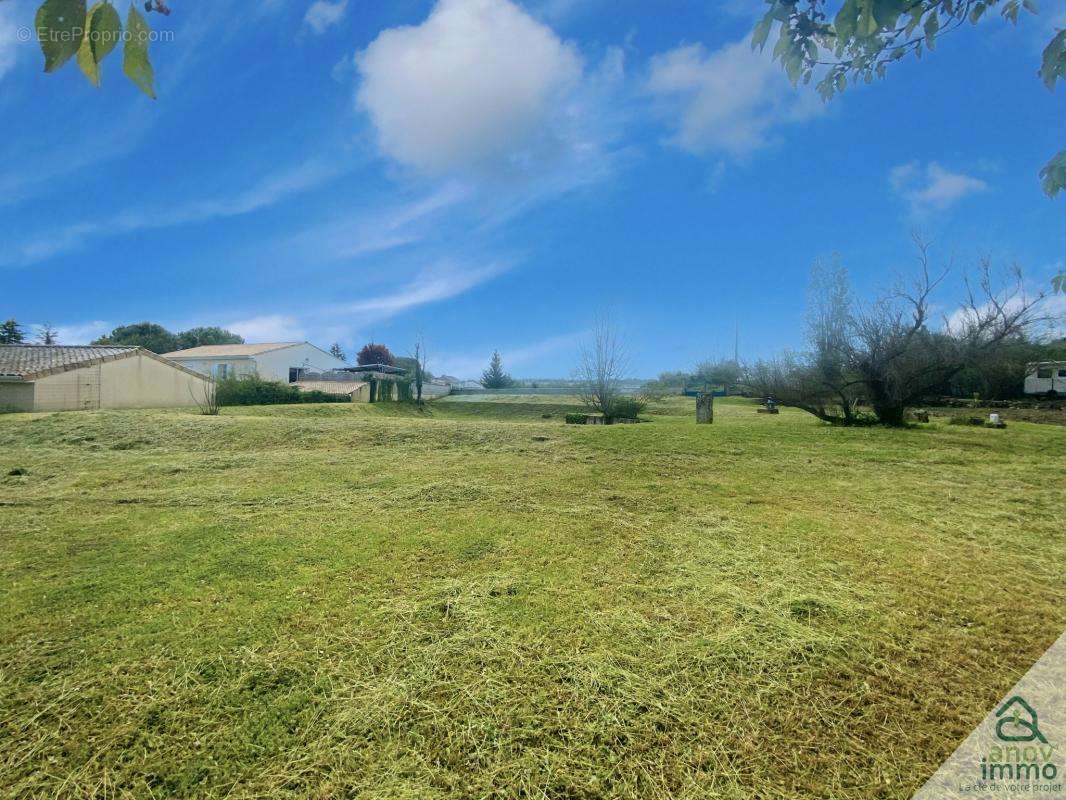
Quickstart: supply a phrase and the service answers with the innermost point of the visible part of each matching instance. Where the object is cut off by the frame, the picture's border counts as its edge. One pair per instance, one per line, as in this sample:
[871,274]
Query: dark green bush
[251,390]
[628,407]
[575,419]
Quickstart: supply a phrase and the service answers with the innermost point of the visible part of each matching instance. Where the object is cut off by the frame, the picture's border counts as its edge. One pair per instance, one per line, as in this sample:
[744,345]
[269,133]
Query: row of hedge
[251,390]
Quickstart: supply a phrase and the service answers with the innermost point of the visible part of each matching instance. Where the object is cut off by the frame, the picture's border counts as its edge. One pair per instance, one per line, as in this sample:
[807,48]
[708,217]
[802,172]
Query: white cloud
[80,332]
[339,321]
[440,282]
[269,328]
[730,101]
[1051,312]
[475,83]
[357,234]
[931,187]
[267,192]
[1054,308]
[323,15]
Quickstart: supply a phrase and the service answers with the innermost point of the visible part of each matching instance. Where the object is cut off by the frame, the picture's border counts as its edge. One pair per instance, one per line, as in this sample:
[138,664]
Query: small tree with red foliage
[375,354]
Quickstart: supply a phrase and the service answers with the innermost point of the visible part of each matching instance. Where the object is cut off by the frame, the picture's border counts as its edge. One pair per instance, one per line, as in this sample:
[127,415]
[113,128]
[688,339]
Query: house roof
[230,350]
[32,361]
[330,387]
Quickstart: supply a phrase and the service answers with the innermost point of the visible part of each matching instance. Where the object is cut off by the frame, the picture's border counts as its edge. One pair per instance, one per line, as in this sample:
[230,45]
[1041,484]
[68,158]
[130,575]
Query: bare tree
[206,400]
[885,353]
[603,364]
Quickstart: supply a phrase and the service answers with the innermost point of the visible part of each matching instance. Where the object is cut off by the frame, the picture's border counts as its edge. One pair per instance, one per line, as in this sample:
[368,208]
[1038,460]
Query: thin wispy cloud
[323,15]
[443,281]
[269,328]
[470,365]
[8,39]
[339,321]
[268,191]
[361,233]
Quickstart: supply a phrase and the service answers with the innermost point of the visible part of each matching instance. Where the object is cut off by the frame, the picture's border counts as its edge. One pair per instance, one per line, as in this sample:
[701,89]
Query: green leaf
[135,61]
[932,25]
[762,32]
[867,24]
[888,12]
[102,32]
[1053,175]
[105,30]
[60,26]
[1058,283]
[1054,63]
[1031,6]
[846,19]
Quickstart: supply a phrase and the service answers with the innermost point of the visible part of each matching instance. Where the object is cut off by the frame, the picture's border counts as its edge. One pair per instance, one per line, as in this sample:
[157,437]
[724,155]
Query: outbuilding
[36,377]
[357,391]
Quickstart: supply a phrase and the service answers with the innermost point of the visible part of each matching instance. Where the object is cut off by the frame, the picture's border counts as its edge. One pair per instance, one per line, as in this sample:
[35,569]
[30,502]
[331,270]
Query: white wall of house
[231,367]
[276,364]
[273,365]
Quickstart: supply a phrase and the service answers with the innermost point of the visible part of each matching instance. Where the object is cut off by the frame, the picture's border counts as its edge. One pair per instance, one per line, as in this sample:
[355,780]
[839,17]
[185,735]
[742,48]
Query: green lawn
[351,601]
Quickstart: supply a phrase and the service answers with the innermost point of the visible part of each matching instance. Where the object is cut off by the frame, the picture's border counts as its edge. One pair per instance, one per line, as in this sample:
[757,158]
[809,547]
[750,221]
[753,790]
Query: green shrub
[575,419]
[628,407]
[251,390]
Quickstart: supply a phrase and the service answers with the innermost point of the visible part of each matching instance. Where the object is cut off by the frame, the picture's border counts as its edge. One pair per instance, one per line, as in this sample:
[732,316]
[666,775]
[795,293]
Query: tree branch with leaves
[853,40]
[67,30]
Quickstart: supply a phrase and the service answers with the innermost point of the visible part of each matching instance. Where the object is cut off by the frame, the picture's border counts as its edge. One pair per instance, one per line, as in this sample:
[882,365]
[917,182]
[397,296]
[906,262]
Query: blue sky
[489,174]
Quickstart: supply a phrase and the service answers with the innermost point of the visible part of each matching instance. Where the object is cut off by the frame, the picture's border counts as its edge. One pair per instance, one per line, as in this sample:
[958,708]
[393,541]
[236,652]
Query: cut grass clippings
[477,601]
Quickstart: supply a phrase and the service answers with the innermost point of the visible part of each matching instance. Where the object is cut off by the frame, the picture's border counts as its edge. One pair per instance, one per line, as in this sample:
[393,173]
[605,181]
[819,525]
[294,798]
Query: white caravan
[1046,377]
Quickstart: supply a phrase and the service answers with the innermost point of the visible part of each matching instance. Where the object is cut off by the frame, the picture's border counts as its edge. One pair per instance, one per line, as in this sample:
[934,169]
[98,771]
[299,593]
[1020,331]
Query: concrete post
[704,409]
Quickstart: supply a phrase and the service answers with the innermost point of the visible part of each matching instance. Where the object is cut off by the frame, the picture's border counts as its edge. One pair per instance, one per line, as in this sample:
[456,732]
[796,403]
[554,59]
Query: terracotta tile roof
[31,361]
[27,360]
[229,350]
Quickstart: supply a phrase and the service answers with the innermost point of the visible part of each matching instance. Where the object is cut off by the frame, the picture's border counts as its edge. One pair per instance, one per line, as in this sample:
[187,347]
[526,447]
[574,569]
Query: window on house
[1043,373]
[221,371]
[295,373]
[1062,373]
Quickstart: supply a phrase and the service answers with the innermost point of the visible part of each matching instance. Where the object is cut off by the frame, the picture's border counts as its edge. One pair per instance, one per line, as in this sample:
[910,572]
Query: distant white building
[287,362]
[1046,377]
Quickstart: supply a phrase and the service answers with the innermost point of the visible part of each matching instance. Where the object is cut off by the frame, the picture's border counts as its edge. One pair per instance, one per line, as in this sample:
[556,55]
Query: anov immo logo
[1016,751]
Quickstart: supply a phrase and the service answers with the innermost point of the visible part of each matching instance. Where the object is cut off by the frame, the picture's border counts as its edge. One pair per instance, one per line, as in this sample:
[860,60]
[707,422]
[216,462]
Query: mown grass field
[352,601]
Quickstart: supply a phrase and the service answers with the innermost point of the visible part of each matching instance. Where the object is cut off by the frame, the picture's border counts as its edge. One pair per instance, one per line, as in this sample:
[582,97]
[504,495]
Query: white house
[274,361]
[1046,377]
